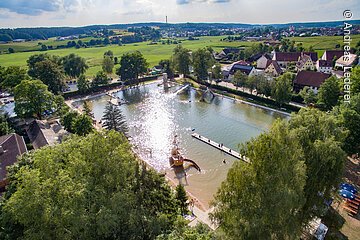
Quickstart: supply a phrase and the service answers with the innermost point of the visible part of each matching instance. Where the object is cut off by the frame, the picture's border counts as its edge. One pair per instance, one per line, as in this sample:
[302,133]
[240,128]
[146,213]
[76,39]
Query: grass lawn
[153,53]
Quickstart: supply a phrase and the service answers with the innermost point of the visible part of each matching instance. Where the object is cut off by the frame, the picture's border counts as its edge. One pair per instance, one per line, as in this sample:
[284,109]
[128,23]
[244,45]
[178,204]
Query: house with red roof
[11,147]
[285,58]
[310,79]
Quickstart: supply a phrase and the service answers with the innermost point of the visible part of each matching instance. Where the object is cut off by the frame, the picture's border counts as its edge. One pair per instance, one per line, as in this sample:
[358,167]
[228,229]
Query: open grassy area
[322,43]
[94,55]
[34,45]
[153,53]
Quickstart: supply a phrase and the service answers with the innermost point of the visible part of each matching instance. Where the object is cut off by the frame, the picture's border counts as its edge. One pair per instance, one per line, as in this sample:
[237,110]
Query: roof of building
[347,61]
[324,63]
[43,133]
[276,66]
[243,68]
[255,57]
[311,78]
[231,50]
[11,146]
[293,56]
[330,54]
[303,59]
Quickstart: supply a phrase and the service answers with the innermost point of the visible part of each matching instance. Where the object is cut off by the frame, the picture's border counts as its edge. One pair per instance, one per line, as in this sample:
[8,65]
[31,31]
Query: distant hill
[48,32]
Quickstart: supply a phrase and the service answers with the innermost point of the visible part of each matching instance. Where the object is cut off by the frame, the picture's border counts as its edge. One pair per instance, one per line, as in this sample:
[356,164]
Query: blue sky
[30,13]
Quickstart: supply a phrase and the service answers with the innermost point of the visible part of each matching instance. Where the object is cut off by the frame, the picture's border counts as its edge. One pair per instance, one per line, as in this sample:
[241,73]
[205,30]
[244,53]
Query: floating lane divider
[220,147]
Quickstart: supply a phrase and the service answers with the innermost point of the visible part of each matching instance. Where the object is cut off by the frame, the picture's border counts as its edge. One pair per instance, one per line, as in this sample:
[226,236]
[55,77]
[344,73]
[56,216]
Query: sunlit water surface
[155,115]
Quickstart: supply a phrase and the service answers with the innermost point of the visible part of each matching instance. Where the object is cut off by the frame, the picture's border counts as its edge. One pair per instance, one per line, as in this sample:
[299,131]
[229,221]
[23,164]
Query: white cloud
[15,13]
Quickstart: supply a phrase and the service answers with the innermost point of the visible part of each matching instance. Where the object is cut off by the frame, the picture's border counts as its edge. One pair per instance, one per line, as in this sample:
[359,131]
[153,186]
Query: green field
[94,55]
[153,53]
[322,43]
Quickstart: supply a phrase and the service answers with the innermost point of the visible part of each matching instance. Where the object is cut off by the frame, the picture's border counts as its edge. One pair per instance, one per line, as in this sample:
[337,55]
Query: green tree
[113,119]
[50,74]
[181,59]
[355,80]
[109,53]
[4,125]
[349,116]
[12,76]
[83,84]
[261,200]
[32,98]
[100,79]
[86,108]
[87,195]
[107,64]
[11,50]
[308,95]
[240,79]
[82,125]
[132,65]
[216,72]
[329,92]
[264,86]
[182,198]
[67,120]
[282,89]
[167,67]
[202,61]
[34,59]
[74,65]
[252,82]
[320,137]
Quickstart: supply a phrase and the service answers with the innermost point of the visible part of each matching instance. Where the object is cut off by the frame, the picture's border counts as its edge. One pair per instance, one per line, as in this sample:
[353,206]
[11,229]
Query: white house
[323,66]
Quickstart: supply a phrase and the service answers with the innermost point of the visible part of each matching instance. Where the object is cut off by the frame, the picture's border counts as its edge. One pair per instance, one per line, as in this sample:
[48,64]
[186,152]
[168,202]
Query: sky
[33,13]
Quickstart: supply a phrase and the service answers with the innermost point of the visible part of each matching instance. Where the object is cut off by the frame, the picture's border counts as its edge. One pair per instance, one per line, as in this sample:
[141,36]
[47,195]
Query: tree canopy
[261,200]
[329,92]
[32,98]
[202,60]
[113,119]
[74,65]
[132,65]
[181,59]
[88,188]
[282,89]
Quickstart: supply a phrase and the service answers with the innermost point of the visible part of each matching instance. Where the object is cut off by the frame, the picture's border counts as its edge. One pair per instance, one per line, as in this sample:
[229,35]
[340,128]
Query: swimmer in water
[224,161]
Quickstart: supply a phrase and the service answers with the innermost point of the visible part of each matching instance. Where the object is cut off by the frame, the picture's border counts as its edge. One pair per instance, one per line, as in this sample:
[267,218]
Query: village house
[323,66]
[304,63]
[330,55]
[42,133]
[311,79]
[346,61]
[228,71]
[273,69]
[285,58]
[11,146]
[263,61]
[226,52]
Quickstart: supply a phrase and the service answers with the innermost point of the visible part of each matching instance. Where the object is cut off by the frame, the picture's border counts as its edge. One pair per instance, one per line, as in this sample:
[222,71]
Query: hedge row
[108,87]
[247,95]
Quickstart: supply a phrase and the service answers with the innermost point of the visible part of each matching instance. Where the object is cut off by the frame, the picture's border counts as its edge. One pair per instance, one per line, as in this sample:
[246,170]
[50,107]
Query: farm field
[94,55]
[154,53]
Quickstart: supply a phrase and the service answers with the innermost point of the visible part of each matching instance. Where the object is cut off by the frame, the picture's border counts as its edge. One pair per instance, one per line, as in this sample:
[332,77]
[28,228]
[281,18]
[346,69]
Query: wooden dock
[220,147]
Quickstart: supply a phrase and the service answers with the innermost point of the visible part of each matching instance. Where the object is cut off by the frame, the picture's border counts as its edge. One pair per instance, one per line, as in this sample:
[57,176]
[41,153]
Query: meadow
[153,53]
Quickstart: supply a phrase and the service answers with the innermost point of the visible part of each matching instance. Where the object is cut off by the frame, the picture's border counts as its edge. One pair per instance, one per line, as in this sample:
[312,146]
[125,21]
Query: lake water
[155,115]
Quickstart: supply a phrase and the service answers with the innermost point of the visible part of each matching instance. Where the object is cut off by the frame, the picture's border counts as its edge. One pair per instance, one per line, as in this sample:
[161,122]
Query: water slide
[193,164]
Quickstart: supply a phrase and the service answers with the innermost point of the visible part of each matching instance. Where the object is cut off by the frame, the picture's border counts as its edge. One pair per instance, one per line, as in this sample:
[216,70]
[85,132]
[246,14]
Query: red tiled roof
[293,56]
[311,78]
[13,146]
[330,54]
[302,60]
